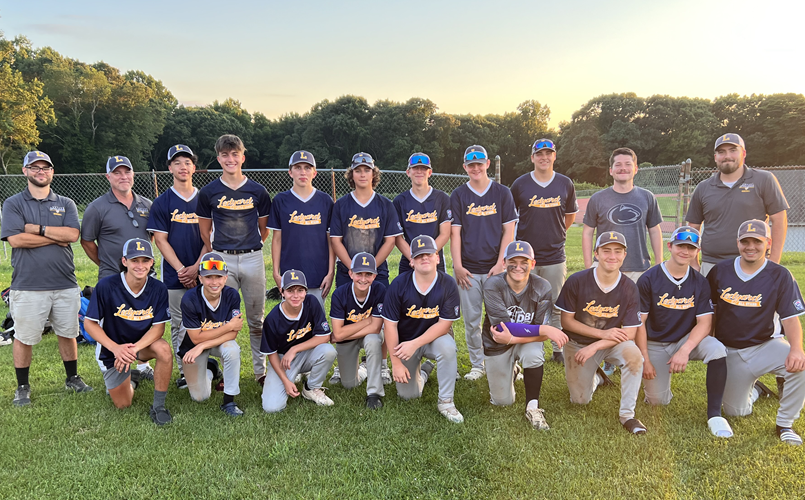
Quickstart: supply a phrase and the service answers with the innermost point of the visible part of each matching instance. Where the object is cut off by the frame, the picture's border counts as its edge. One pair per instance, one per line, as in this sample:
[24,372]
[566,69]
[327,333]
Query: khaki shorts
[31,309]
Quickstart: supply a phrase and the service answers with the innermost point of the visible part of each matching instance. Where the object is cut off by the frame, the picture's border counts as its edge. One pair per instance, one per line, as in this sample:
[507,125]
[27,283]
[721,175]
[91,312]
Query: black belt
[238,252]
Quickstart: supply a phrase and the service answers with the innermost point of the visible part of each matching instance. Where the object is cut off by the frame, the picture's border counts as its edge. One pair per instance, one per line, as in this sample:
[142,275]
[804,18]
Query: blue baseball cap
[33,156]
[117,161]
[179,148]
[730,139]
[292,277]
[518,249]
[475,154]
[360,159]
[363,262]
[302,157]
[543,144]
[137,247]
[423,244]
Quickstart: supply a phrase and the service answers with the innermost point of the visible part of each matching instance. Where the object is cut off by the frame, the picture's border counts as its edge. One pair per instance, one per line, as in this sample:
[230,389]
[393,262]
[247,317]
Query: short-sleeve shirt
[416,310]
[745,305]
[50,267]
[503,305]
[106,221]
[346,307]
[542,210]
[234,213]
[629,214]
[198,314]
[422,216]
[364,227]
[176,216]
[582,296]
[280,332]
[125,316]
[756,195]
[481,217]
[672,305]
[304,224]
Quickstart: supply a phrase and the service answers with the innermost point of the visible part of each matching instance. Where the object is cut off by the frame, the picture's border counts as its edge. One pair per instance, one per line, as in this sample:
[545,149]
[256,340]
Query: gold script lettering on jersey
[423,312]
[545,202]
[601,311]
[362,223]
[131,314]
[482,210]
[420,218]
[184,217]
[233,204]
[675,303]
[211,325]
[305,220]
[298,334]
[740,300]
[354,318]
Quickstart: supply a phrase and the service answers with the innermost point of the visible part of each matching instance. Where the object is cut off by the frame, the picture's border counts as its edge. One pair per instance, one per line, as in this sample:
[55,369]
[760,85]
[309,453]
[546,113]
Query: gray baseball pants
[349,360]
[247,273]
[177,329]
[317,361]
[472,306]
[500,370]
[198,380]
[658,390]
[443,350]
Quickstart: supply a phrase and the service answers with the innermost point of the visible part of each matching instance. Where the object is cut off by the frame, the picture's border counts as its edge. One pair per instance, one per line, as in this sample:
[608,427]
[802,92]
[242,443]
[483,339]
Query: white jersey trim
[742,275]
[234,188]
[362,205]
[671,278]
[541,184]
[135,295]
[430,287]
[488,187]
[601,287]
[430,191]
[303,200]
[195,193]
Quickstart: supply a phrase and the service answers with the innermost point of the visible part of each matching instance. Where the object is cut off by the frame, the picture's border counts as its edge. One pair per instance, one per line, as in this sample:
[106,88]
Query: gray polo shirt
[50,267]
[756,195]
[106,222]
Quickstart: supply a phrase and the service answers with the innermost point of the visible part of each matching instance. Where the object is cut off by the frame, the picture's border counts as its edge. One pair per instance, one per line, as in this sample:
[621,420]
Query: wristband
[522,329]
[41,230]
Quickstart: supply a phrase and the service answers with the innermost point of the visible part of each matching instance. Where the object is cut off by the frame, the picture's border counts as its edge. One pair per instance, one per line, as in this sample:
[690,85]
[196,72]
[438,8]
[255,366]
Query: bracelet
[41,230]
[510,339]
[180,269]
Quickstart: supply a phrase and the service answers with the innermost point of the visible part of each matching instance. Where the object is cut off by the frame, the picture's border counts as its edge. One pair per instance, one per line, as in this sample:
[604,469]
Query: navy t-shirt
[234,213]
[346,307]
[176,216]
[198,314]
[280,332]
[416,310]
[420,217]
[582,296]
[542,215]
[304,225]
[124,316]
[672,305]
[481,217]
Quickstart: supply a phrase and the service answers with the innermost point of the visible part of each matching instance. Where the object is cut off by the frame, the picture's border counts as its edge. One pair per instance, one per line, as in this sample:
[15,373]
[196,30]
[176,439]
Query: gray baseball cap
[363,262]
[730,139]
[610,237]
[33,156]
[686,235]
[212,264]
[423,244]
[292,277]
[754,228]
[518,249]
[137,247]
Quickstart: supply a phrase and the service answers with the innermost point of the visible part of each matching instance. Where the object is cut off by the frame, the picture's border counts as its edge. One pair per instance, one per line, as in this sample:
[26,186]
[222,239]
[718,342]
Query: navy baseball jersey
[363,228]
[346,307]
[745,305]
[304,224]
[420,217]
[280,332]
[583,297]
[234,213]
[416,310]
[481,217]
[198,314]
[176,216]
[542,210]
[672,305]
[124,316]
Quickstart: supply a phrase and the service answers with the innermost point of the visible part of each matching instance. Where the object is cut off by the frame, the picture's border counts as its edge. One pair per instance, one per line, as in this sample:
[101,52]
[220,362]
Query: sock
[532,378]
[159,398]
[22,375]
[755,394]
[716,379]
[143,366]
[71,367]
[532,405]
[228,399]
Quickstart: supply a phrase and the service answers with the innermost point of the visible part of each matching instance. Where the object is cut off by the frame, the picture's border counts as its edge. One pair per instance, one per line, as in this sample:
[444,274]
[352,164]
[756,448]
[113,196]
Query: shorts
[31,309]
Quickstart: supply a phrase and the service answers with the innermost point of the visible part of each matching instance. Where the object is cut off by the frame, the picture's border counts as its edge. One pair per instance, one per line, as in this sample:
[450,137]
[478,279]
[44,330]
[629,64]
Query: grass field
[79,446]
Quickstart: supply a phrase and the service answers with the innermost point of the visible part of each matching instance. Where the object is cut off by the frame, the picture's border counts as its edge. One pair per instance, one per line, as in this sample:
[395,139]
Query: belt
[238,252]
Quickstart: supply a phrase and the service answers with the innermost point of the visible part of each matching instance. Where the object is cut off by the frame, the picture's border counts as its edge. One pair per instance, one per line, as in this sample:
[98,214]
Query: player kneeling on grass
[211,317]
[296,339]
[516,302]
[356,313]
[600,316]
[418,311]
[746,292]
[677,318]
[133,309]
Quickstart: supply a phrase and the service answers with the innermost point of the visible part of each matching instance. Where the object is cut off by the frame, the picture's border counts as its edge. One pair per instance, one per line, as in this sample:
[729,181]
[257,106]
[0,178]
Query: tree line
[82,113]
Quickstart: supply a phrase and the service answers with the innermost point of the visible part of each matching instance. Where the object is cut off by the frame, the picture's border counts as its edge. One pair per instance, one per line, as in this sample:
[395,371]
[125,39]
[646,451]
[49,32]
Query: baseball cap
[686,235]
[137,247]
[730,139]
[543,144]
[362,159]
[610,237]
[422,244]
[518,249]
[179,148]
[33,156]
[292,277]
[419,159]
[754,228]
[212,264]
[302,157]
[115,161]
[475,154]
[363,262]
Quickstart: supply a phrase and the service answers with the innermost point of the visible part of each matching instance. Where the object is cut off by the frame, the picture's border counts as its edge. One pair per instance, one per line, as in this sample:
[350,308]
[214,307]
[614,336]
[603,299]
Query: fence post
[497,169]
[686,189]
[156,187]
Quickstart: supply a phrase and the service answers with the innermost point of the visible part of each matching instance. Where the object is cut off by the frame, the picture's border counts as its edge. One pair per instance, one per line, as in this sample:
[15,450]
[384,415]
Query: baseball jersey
[280,332]
[234,213]
[424,216]
[583,297]
[503,305]
[672,305]
[363,227]
[125,316]
[745,304]
[176,216]
[416,310]
[347,308]
[198,314]
[303,224]
[542,210]
[481,217]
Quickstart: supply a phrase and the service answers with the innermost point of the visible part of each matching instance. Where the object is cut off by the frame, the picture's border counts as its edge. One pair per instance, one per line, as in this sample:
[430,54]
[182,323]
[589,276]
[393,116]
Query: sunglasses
[686,236]
[418,160]
[475,155]
[361,158]
[131,216]
[544,145]
[212,264]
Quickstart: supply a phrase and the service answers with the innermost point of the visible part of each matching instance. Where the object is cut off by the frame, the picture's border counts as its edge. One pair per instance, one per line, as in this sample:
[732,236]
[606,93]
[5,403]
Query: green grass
[79,446]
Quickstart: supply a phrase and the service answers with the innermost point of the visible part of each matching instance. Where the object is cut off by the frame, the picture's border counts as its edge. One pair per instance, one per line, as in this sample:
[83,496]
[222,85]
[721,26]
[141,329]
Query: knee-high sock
[532,377]
[716,379]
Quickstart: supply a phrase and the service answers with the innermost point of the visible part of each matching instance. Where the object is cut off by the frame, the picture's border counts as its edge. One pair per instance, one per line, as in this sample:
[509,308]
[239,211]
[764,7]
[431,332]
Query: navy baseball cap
[610,237]
[686,235]
[292,277]
[302,157]
[179,148]
[137,247]
[518,249]
[417,159]
[116,161]
[422,244]
[754,228]
[362,159]
[33,156]
[212,264]
[363,262]
[730,139]
[475,154]
[543,144]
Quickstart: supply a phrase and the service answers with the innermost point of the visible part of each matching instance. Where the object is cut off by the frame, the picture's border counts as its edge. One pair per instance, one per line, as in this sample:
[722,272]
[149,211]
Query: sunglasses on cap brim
[544,145]
[213,264]
[475,155]
[418,160]
[684,236]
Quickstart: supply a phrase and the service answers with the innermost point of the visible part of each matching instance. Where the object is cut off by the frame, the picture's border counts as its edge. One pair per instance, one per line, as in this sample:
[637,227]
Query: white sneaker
[474,374]
[317,396]
[450,412]
[336,378]
[362,373]
[385,374]
[537,419]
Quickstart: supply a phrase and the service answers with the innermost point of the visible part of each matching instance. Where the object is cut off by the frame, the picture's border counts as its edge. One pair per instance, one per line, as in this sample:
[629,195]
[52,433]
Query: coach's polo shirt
[722,209]
[49,267]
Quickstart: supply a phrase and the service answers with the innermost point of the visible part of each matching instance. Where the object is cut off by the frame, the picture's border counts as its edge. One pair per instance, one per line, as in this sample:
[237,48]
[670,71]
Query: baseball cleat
[558,357]
[788,436]
[603,379]
[22,396]
[536,417]
[261,380]
[780,387]
[763,391]
[518,372]
[362,373]
[160,415]
[385,375]
[635,426]
[336,378]
[181,382]
[316,395]
[608,368]
[215,368]
[232,409]
[450,412]
[474,374]
[147,374]
[374,402]
[76,384]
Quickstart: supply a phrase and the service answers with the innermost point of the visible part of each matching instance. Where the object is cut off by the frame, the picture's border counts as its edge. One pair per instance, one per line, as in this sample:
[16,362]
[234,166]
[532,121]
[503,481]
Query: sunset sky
[467,57]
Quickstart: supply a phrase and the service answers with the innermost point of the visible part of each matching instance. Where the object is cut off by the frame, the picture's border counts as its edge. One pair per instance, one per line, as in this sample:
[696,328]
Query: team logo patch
[325,326]
[168,310]
[746,186]
[518,315]
[455,310]
[399,226]
[624,214]
[449,214]
[143,211]
[235,313]
[59,211]
[798,305]
[380,309]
